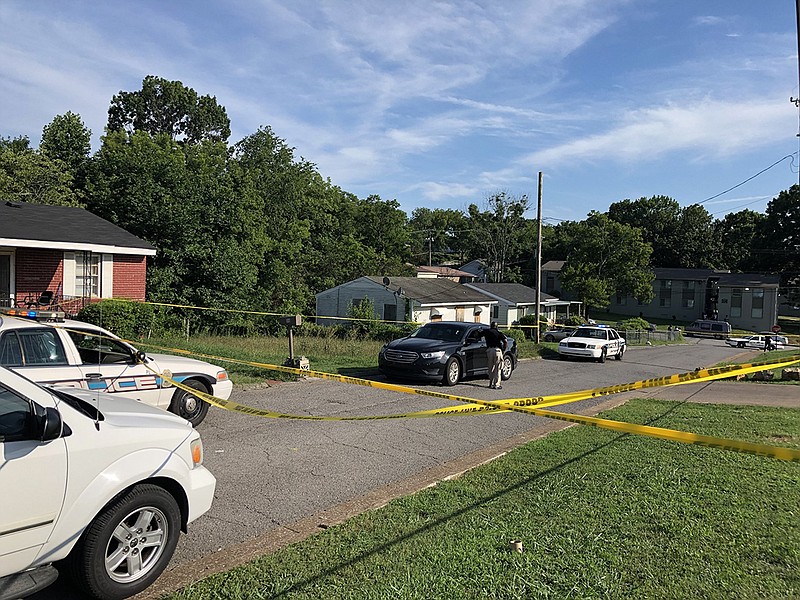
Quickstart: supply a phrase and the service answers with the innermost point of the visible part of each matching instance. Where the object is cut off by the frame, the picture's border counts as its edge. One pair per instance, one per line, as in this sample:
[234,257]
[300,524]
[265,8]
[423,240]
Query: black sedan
[442,351]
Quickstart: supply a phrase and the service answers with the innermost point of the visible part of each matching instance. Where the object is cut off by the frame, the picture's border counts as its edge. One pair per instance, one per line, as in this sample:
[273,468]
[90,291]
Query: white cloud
[708,128]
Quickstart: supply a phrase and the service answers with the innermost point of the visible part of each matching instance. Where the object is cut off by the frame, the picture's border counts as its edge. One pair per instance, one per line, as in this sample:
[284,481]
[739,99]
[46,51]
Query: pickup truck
[98,484]
[76,354]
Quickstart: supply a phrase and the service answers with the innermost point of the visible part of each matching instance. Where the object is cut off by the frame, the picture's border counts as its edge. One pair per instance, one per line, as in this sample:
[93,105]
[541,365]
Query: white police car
[100,484]
[595,342]
[82,355]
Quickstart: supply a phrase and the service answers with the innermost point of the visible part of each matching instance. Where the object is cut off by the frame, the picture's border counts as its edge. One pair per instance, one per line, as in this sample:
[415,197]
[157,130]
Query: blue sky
[441,104]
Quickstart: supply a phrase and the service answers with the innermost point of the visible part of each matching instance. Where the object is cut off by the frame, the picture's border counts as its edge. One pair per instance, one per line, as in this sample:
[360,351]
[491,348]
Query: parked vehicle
[83,355]
[101,483]
[445,351]
[708,328]
[758,341]
[556,334]
[597,343]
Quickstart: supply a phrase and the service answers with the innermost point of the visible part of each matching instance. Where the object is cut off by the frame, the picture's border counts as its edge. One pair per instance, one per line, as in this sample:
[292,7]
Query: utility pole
[539,255]
[796,101]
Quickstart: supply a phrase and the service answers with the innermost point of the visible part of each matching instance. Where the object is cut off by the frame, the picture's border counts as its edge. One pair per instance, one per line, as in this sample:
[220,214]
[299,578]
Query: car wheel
[740,344]
[620,353]
[549,338]
[128,545]
[602,358]
[189,406]
[507,367]
[452,372]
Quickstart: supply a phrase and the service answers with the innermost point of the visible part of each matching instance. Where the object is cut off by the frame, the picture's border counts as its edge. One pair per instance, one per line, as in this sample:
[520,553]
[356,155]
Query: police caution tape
[535,405]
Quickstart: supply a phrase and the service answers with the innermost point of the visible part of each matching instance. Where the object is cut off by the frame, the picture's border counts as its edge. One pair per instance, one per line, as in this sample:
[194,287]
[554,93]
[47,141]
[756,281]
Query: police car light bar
[32,313]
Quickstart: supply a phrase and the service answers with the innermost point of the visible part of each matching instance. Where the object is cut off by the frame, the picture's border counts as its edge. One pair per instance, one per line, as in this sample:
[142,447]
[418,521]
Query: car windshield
[445,333]
[599,334]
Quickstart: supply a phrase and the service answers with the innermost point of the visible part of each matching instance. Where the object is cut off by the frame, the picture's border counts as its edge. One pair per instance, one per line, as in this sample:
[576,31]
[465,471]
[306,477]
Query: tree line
[250,225]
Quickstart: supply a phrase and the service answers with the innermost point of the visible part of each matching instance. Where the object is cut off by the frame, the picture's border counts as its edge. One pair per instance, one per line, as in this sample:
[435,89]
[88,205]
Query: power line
[749,178]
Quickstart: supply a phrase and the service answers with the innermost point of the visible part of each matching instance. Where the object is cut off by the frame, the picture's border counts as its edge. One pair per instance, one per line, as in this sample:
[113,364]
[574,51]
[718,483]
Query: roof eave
[76,246]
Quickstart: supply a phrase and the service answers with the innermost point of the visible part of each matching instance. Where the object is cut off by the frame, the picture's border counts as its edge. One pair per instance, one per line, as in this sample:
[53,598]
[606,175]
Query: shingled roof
[24,225]
[434,291]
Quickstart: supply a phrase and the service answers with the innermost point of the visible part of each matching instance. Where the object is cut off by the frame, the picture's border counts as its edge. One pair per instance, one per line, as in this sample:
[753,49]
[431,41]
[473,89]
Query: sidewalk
[726,392]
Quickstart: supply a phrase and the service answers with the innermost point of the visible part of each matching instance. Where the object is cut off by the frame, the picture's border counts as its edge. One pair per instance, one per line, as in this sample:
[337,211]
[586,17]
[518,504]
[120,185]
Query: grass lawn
[600,515]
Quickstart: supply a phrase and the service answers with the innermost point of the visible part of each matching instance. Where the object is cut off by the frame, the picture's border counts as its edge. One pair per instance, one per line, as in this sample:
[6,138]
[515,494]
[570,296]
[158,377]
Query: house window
[87,274]
[687,294]
[622,300]
[757,310]
[736,302]
[665,293]
[495,311]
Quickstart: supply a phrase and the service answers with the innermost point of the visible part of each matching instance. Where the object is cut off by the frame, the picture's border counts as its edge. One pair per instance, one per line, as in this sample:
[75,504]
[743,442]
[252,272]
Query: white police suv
[596,342]
[98,484]
[82,355]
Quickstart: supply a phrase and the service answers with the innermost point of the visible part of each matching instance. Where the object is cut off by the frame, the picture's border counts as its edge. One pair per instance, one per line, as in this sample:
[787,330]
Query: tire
[452,372]
[507,367]
[602,358]
[620,353]
[188,406]
[549,338]
[149,512]
[740,344]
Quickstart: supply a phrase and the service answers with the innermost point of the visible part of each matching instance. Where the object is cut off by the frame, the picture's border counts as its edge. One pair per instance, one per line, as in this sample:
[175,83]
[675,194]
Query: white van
[709,328]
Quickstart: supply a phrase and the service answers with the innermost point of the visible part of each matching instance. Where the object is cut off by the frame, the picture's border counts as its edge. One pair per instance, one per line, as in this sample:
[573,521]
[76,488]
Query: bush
[126,319]
[635,324]
[574,320]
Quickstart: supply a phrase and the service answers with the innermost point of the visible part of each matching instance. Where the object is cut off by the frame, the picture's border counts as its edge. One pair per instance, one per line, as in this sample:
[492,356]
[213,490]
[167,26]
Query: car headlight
[428,355]
[592,346]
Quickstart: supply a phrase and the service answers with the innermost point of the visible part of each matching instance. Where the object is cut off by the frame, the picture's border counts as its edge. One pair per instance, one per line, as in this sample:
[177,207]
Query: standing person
[496,343]
[767,343]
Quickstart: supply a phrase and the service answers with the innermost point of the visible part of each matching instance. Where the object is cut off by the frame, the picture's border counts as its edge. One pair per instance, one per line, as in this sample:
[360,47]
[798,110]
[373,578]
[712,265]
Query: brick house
[69,252]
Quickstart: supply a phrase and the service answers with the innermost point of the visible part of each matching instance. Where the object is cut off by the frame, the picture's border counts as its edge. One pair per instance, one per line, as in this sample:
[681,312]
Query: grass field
[600,515]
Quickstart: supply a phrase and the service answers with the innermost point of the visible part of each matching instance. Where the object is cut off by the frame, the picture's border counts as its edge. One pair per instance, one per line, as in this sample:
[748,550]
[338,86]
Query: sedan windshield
[445,333]
[600,334]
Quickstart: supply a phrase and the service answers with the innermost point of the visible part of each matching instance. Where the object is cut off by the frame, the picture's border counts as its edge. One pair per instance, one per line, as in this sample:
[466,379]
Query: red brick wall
[36,271]
[129,277]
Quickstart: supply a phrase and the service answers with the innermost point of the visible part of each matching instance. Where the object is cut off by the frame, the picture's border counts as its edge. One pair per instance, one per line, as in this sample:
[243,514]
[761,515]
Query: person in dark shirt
[496,343]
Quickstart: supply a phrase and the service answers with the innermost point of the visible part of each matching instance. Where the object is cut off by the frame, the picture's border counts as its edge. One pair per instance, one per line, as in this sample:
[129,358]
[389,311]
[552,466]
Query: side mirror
[49,425]
[140,356]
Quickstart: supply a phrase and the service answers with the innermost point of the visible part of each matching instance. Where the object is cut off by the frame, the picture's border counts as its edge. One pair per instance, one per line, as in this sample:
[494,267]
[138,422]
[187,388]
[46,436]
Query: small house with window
[67,256]
[410,299]
[515,301]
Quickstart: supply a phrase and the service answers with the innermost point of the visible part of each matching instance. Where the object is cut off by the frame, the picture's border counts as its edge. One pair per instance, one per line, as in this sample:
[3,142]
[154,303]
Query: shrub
[126,319]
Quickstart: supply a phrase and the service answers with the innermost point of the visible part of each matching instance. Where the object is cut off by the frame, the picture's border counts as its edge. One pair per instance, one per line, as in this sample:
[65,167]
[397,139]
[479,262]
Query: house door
[5,279]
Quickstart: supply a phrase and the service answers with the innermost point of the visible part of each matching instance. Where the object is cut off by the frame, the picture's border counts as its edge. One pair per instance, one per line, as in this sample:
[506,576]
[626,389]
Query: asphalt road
[280,480]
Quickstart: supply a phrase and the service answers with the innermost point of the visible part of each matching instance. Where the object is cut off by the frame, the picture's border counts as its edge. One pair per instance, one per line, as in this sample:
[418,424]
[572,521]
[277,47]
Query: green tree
[438,235]
[736,234]
[183,200]
[497,235]
[67,139]
[169,107]
[29,176]
[659,218]
[697,245]
[777,242]
[606,258]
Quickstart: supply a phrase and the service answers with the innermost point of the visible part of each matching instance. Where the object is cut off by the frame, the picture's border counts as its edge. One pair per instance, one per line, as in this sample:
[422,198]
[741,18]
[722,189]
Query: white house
[515,301]
[411,299]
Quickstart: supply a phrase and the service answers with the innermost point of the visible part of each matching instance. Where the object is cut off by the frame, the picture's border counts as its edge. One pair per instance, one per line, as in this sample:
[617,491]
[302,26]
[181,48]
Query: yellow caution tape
[532,405]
